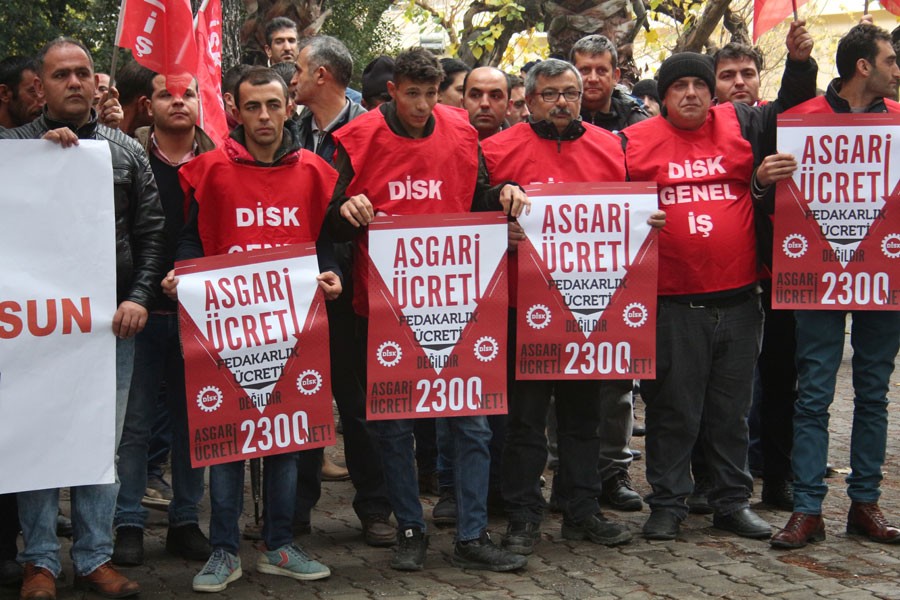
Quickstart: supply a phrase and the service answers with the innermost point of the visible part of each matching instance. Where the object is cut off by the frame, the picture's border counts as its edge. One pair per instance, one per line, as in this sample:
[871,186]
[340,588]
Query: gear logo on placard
[635,314]
[538,316]
[890,245]
[309,382]
[209,398]
[486,349]
[389,354]
[795,245]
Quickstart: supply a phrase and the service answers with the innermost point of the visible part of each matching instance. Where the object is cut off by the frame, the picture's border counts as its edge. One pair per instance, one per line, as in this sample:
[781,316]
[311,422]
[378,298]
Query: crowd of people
[296,126]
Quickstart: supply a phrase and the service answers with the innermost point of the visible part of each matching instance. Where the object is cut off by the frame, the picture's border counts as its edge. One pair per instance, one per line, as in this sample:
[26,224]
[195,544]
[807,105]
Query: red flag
[892,6]
[160,35]
[769,13]
[209,69]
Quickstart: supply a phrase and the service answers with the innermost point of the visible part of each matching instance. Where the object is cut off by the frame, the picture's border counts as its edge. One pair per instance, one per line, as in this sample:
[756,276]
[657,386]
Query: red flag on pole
[209,69]
[160,35]
[892,6]
[769,13]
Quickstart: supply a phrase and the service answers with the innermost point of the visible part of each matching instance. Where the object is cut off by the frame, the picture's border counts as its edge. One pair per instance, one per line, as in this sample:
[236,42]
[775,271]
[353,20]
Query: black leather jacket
[139,216]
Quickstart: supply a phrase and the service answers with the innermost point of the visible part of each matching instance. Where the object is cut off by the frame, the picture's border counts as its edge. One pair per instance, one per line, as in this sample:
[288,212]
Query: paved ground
[701,563]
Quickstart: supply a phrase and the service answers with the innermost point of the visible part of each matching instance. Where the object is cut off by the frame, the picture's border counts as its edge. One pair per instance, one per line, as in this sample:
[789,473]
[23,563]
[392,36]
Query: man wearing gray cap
[709,166]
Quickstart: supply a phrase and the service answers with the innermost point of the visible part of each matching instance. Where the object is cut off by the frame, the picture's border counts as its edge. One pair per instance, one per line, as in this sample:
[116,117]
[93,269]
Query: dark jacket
[839,105]
[623,111]
[139,216]
[326,146]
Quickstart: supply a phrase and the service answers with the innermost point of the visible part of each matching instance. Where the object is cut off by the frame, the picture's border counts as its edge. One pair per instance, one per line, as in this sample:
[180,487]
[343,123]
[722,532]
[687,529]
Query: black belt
[714,302]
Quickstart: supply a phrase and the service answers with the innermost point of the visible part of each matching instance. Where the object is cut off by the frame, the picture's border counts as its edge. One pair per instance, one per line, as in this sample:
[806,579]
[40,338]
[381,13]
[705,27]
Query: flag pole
[115,53]
[794,5]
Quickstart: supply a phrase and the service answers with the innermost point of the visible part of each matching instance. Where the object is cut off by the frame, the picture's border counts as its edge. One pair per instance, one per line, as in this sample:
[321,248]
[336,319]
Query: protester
[171,141]
[868,78]
[486,99]
[645,91]
[452,88]
[260,159]
[708,291]
[518,108]
[325,69]
[66,80]
[596,58]
[281,40]
[410,136]
[565,149]
[19,101]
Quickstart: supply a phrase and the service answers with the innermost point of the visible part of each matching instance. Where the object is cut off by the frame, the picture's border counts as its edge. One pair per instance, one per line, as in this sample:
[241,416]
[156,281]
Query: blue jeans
[226,496]
[471,465]
[157,360]
[875,337]
[93,506]
[706,356]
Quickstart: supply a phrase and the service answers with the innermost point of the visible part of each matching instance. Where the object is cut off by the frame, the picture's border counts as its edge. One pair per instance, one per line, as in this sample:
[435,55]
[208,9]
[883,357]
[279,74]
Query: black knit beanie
[686,64]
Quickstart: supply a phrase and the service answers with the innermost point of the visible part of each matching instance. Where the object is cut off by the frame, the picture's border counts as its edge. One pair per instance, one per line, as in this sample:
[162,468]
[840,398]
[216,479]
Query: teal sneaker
[291,561]
[221,569]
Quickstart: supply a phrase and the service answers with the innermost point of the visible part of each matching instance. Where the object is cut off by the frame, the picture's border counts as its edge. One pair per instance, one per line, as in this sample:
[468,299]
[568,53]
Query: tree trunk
[232,17]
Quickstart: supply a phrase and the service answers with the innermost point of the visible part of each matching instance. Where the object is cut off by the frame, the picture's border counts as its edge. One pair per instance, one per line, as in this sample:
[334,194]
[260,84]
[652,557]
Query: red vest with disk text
[708,243]
[406,176]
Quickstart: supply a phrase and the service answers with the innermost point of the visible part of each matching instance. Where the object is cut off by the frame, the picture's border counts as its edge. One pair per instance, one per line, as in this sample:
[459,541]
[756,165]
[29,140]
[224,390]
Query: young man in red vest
[709,317]
[556,145]
[869,76]
[259,161]
[412,136]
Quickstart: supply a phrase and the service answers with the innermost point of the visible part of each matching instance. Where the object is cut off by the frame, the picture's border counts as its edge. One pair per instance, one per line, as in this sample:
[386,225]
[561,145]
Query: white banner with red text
[437,316]
[57,301]
[837,220]
[587,283]
[255,339]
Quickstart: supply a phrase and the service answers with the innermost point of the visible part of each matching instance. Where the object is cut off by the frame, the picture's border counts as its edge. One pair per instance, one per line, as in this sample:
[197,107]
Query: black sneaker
[521,536]
[129,548]
[409,555]
[482,554]
[188,542]
[444,512]
[597,529]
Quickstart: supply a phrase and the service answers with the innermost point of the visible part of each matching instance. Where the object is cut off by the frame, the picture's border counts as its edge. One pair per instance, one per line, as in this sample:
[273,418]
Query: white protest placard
[57,300]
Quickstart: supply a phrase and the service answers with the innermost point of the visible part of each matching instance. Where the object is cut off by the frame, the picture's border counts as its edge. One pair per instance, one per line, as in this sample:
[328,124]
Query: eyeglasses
[553,95]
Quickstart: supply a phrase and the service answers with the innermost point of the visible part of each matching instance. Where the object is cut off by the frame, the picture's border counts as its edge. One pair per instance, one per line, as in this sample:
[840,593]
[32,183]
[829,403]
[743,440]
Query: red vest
[406,176]
[708,244]
[245,206]
[518,154]
[819,104]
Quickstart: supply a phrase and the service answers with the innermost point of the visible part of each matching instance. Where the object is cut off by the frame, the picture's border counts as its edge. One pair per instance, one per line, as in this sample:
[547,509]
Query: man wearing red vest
[867,64]
[555,145]
[709,319]
[411,136]
[260,164]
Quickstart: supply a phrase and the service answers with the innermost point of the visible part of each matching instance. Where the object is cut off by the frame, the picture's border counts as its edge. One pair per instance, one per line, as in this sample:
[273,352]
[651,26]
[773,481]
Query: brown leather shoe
[334,472]
[107,582]
[801,529]
[865,518]
[37,584]
[378,531]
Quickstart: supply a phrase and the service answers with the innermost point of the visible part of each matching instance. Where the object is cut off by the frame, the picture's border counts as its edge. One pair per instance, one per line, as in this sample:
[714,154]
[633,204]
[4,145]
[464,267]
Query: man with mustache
[565,149]
[708,163]
[281,40]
